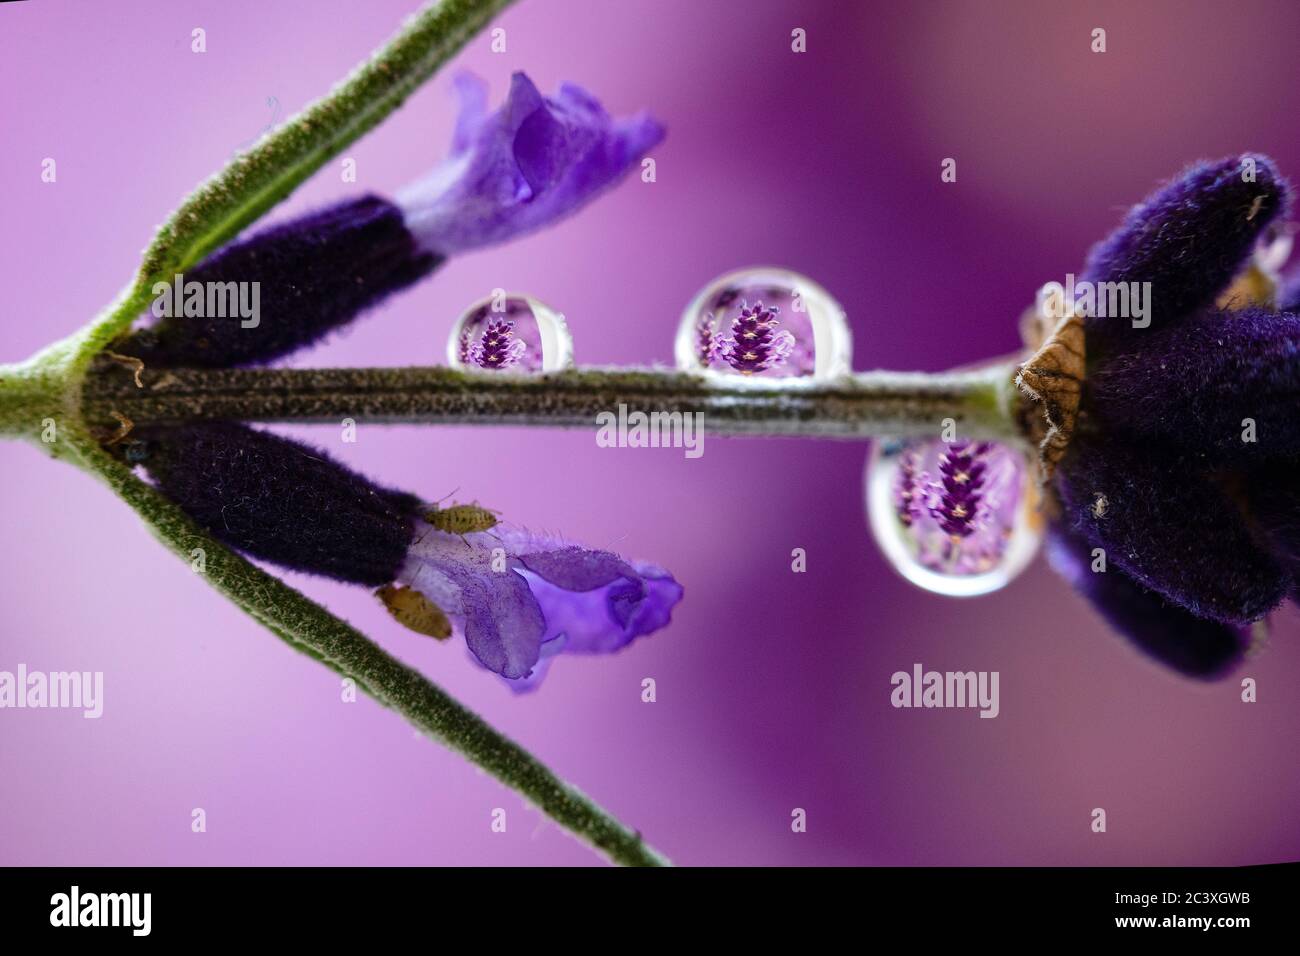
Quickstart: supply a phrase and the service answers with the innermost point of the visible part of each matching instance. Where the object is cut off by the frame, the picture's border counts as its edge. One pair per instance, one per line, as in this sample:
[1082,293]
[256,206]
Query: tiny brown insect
[462,519]
[415,611]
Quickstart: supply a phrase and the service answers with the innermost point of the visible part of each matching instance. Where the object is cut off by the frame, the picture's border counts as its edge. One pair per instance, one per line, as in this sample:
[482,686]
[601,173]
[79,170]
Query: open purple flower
[528,165]
[509,173]
[519,599]
[1182,472]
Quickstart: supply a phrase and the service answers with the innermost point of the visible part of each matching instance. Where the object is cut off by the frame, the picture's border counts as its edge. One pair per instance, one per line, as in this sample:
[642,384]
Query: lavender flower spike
[531,163]
[518,599]
[755,344]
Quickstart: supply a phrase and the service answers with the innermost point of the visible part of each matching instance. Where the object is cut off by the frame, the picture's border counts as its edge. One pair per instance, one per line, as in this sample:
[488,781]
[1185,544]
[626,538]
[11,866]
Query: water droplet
[958,518]
[510,332]
[765,323]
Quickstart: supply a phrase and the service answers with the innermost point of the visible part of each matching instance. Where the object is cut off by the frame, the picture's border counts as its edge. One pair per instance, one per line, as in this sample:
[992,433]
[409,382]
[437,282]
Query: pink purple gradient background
[773,687]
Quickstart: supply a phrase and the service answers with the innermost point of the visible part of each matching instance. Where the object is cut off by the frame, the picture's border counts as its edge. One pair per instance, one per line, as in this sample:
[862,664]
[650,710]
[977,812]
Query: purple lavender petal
[530,164]
[605,619]
[588,601]
[503,621]
[575,568]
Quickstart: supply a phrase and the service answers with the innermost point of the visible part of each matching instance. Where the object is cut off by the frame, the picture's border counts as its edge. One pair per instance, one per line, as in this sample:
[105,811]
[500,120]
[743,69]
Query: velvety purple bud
[313,274]
[1166,632]
[1273,495]
[531,163]
[281,501]
[1189,240]
[1194,384]
[1172,530]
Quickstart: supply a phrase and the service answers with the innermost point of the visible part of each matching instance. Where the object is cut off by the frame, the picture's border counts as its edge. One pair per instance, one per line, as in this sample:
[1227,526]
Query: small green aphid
[462,519]
[414,611]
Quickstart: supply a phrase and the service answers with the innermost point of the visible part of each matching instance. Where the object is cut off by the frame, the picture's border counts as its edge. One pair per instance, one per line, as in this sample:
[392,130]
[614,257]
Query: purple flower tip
[521,599]
[531,163]
[496,347]
[1181,472]
[755,344]
[961,471]
[1188,240]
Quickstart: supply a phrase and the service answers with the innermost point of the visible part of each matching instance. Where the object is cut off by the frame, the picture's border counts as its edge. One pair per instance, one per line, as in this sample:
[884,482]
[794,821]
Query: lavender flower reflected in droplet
[955,517]
[497,347]
[755,344]
[510,332]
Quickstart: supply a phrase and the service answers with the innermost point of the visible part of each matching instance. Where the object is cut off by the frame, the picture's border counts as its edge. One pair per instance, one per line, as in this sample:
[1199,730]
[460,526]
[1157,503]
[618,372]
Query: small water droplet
[510,332]
[958,518]
[765,323]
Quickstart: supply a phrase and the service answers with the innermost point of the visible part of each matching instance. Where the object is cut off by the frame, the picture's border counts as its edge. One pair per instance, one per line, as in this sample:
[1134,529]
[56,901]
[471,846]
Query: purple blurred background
[773,687]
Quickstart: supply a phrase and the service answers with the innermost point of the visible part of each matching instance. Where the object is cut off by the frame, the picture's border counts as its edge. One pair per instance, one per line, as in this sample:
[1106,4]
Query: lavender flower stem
[852,407]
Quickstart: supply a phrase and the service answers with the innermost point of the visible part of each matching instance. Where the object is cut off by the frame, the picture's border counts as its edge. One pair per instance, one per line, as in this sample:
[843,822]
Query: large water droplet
[510,332]
[765,323]
[958,518]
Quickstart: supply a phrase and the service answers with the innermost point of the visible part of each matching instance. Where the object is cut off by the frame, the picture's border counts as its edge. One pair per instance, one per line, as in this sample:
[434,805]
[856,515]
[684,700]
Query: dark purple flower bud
[282,501]
[1273,495]
[1170,528]
[1188,240]
[1218,384]
[1175,637]
[531,163]
[519,599]
[313,274]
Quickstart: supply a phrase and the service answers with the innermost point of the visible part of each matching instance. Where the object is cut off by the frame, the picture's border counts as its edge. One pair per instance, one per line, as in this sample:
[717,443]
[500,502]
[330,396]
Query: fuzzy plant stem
[851,407]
